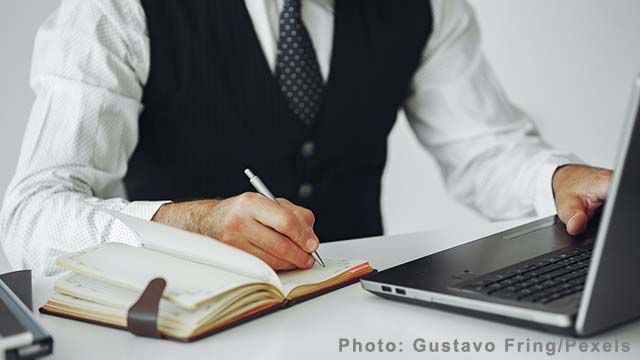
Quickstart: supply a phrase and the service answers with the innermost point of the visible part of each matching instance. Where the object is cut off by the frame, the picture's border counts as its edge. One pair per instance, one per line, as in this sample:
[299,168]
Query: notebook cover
[233,322]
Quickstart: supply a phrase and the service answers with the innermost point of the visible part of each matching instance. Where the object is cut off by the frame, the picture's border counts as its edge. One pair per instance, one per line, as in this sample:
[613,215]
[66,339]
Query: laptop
[537,275]
[21,336]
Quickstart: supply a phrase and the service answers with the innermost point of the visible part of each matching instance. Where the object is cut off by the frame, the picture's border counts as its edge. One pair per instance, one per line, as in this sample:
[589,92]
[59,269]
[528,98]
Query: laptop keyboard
[542,280]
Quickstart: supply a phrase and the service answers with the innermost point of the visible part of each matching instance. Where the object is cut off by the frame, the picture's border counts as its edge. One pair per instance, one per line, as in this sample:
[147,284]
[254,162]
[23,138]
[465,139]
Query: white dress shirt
[90,65]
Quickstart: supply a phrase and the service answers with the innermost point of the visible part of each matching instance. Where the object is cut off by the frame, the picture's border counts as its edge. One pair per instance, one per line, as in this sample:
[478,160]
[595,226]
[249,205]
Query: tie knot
[292,7]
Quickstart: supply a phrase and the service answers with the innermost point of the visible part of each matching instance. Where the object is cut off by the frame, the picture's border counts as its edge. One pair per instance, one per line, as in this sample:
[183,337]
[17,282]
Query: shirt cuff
[544,202]
[143,209]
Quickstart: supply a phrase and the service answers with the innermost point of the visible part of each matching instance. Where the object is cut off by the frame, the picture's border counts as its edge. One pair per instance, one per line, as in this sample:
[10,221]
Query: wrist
[185,215]
[559,175]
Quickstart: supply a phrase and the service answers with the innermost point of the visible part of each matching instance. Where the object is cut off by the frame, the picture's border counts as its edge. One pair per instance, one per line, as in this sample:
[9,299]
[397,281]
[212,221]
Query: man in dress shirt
[168,101]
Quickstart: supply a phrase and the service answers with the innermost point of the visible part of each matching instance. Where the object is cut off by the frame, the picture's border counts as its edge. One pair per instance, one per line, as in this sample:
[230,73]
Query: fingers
[577,223]
[572,211]
[303,214]
[579,191]
[272,261]
[278,245]
[251,236]
[282,219]
[307,217]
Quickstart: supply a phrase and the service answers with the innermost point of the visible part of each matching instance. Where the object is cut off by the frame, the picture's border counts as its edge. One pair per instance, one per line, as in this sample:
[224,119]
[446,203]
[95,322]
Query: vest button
[308,148]
[305,190]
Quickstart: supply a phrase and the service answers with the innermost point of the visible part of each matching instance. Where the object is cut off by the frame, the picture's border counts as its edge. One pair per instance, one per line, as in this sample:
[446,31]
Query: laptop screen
[617,251]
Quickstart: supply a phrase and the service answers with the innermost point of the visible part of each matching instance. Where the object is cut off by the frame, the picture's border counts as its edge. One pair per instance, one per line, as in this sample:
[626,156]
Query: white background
[567,63]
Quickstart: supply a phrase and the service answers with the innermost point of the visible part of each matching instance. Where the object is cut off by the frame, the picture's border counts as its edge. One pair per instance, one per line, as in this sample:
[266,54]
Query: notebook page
[188,284]
[317,273]
[198,248]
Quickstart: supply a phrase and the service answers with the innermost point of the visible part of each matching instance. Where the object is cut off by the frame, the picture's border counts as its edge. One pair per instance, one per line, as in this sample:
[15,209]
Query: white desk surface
[312,330]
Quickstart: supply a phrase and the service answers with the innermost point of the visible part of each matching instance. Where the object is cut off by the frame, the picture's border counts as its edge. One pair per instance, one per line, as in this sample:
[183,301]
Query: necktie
[297,68]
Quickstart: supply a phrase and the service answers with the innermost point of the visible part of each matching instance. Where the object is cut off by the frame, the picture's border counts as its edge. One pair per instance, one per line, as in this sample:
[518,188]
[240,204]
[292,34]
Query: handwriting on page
[317,274]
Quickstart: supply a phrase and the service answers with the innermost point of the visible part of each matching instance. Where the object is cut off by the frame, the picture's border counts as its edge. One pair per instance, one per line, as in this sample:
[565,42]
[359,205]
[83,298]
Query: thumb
[571,211]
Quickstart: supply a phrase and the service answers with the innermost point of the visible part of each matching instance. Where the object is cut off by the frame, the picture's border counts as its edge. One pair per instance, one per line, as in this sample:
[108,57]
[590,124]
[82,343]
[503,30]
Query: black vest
[212,107]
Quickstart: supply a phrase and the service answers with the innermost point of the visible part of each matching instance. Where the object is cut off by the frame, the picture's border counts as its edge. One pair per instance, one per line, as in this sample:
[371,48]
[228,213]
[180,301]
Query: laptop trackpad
[516,246]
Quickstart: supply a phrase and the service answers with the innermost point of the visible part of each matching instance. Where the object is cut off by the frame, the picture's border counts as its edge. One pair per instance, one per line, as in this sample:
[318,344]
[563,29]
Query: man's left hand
[579,191]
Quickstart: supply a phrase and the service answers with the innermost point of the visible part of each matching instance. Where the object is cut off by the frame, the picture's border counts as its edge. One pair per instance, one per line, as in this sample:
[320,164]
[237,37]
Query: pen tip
[248,173]
[319,259]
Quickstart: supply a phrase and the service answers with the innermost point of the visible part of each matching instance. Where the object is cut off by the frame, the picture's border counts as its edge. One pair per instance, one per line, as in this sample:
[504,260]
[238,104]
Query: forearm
[186,215]
[510,179]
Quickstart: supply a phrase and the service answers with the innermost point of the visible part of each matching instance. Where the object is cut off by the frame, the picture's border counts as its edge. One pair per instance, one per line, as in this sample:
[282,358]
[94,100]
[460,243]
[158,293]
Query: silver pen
[262,189]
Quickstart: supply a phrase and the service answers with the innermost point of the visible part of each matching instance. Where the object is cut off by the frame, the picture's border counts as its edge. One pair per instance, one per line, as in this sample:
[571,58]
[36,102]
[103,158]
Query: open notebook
[209,285]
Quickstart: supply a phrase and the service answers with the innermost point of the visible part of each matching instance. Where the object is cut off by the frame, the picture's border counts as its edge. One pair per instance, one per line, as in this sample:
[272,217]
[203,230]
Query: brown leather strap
[142,319]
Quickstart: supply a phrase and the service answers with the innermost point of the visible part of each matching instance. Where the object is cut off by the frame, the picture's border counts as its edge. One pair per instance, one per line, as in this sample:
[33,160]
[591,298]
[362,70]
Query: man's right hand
[281,235]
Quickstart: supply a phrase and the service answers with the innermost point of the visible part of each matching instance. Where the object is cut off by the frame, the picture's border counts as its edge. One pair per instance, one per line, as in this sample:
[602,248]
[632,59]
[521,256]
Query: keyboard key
[506,282]
[547,269]
[523,293]
[492,288]
[526,284]
[518,278]
[578,281]
[548,283]
[537,288]
[559,272]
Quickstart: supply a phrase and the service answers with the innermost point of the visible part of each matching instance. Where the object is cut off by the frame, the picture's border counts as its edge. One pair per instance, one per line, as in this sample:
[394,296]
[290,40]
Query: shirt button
[308,148]
[305,190]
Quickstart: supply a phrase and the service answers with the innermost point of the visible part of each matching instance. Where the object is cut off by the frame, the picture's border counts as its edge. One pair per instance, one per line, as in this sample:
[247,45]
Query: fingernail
[311,261]
[312,245]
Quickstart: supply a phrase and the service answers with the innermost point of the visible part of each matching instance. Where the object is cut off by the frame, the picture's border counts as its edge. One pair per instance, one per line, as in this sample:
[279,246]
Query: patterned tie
[297,67]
